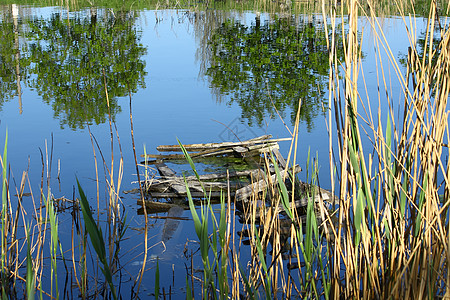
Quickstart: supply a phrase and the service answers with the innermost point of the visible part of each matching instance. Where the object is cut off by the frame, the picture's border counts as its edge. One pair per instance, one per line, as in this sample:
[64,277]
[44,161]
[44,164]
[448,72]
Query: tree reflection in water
[69,56]
[279,61]
[13,65]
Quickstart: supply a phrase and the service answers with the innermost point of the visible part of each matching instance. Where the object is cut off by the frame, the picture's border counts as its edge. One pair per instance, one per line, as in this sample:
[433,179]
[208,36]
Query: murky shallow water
[190,77]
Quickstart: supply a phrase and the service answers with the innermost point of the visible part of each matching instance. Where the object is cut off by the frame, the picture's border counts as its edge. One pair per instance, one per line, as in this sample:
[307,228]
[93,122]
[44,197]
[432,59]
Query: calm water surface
[189,75]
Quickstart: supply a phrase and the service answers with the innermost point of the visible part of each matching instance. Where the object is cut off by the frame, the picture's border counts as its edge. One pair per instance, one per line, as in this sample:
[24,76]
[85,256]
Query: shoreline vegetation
[386,236]
[379,8]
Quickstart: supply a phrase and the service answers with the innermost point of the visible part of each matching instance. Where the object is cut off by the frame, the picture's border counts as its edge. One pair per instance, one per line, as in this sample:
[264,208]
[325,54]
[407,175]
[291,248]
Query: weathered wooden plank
[232,174]
[193,186]
[244,193]
[206,177]
[164,170]
[206,146]
[281,161]
[259,151]
[166,156]
[194,147]
[194,194]
[250,150]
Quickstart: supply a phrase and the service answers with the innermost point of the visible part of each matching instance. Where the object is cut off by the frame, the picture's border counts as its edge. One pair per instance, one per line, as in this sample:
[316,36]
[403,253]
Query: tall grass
[4,231]
[96,236]
[35,232]
[391,240]
[41,238]
[388,236]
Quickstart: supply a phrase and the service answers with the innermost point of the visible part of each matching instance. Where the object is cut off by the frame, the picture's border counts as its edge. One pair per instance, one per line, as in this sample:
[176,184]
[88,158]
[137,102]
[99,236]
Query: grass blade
[96,238]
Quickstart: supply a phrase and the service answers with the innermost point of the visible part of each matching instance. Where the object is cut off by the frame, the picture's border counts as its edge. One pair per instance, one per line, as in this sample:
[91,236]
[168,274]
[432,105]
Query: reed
[387,234]
[41,229]
[54,243]
[391,240]
[30,279]
[4,231]
[96,237]
[213,247]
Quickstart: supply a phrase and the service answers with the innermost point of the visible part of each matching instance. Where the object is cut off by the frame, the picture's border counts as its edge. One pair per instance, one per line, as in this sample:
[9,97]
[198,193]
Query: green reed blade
[222,221]
[96,236]
[417,227]
[3,232]
[188,290]
[197,222]
[30,284]
[191,163]
[54,241]
[359,212]
[404,187]
[267,285]
[248,287]
[284,192]
[95,233]
[157,280]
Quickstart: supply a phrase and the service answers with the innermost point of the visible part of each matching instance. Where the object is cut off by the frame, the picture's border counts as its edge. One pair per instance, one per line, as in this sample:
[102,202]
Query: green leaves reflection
[285,59]
[12,63]
[69,56]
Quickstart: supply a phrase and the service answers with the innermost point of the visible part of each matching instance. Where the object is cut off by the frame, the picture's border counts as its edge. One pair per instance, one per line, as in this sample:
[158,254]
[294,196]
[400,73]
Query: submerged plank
[154,207]
[206,177]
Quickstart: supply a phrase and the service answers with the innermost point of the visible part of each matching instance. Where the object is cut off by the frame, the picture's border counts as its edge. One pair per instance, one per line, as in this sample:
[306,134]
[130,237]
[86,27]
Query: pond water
[195,76]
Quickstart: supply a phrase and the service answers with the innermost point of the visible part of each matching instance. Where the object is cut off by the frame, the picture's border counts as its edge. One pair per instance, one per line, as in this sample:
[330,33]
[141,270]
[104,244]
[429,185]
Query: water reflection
[259,66]
[271,63]
[12,64]
[70,54]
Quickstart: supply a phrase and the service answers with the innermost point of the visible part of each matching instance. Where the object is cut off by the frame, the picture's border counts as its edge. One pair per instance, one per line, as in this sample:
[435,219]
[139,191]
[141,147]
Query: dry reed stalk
[141,273]
[96,174]
[41,229]
[237,277]
[391,238]
[113,202]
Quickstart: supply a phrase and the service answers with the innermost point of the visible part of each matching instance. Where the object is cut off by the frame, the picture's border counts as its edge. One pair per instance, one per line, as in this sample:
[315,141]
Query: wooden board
[209,146]
[244,193]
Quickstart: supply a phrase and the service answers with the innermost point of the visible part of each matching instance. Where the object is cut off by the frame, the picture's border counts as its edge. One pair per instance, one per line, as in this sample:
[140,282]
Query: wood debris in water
[242,185]
[253,147]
